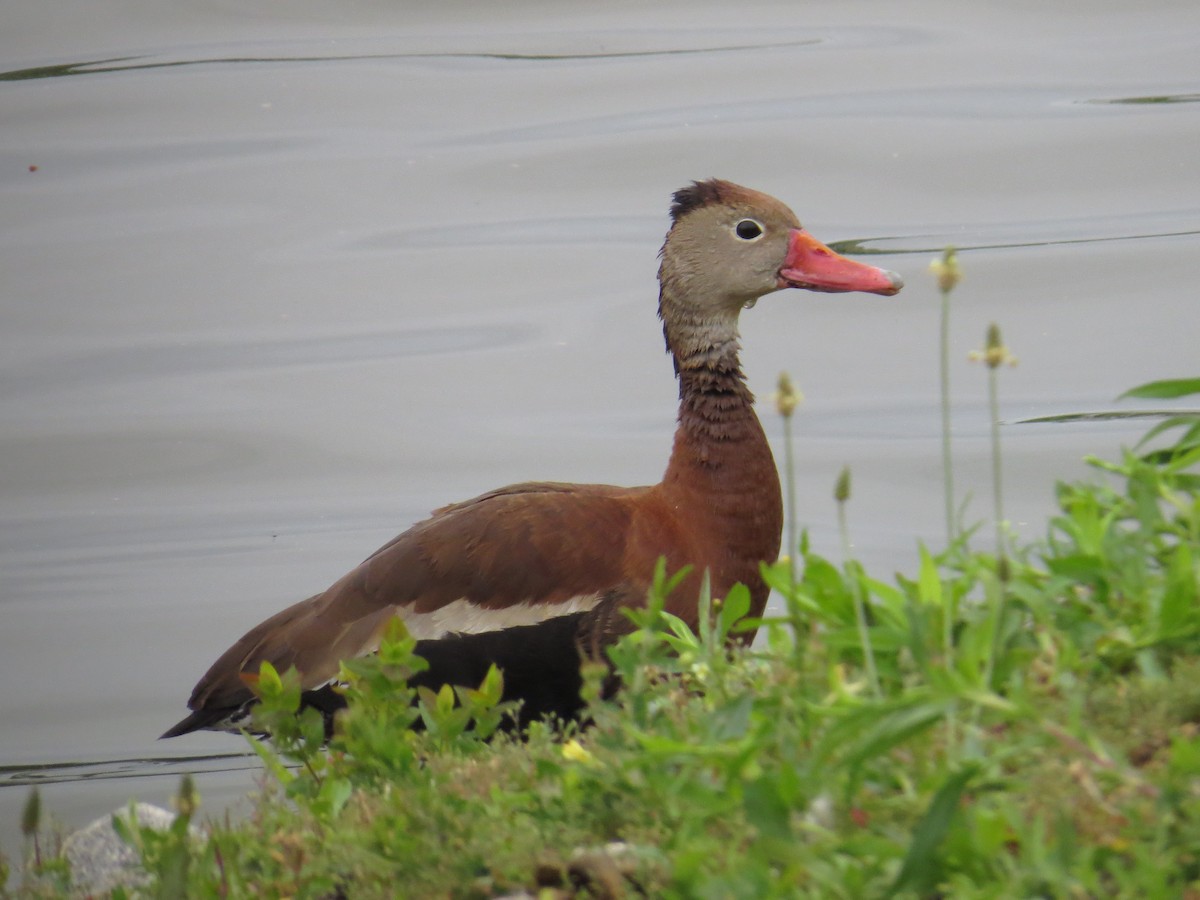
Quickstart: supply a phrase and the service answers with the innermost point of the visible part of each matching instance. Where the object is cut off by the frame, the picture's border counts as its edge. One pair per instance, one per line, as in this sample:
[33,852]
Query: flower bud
[841,490]
[787,398]
[946,270]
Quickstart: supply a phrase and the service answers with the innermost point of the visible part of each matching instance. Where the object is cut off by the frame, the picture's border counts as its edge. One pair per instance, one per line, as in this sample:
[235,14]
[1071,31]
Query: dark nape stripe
[695,195]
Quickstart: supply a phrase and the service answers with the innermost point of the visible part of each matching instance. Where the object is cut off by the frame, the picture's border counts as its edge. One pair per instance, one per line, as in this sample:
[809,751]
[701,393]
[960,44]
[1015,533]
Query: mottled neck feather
[715,405]
[713,397]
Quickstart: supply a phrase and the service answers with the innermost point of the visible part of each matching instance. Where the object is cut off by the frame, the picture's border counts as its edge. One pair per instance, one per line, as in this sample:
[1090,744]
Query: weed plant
[889,738]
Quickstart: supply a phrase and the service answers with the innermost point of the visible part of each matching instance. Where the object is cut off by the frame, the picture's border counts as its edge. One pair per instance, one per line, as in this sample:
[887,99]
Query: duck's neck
[721,466]
[715,406]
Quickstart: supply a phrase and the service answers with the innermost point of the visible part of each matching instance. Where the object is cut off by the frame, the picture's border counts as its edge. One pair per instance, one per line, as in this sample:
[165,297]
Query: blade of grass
[920,870]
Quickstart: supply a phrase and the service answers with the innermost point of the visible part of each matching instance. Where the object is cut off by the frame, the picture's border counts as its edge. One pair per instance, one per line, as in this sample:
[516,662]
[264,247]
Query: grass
[1016,723]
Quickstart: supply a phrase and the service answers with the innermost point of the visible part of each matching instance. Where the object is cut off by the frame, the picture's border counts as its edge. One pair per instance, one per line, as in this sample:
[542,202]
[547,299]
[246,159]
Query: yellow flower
[995,353]
[575,752]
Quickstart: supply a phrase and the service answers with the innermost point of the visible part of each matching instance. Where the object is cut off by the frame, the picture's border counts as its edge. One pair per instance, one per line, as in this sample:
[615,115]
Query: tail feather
[231,718]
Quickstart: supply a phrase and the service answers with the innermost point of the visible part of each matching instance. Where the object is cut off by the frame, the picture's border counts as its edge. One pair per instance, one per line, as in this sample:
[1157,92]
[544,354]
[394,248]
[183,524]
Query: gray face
[727,254]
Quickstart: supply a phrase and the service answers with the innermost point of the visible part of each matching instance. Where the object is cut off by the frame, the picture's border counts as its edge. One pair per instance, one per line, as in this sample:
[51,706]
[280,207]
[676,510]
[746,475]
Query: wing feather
[514,556]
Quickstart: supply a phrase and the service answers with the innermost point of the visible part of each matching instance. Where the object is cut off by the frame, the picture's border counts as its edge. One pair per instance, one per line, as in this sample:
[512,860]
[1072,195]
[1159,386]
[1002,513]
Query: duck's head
[729,245]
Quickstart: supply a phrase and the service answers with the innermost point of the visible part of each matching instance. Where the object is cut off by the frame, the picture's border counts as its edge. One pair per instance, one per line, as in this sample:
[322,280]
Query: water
[273,288]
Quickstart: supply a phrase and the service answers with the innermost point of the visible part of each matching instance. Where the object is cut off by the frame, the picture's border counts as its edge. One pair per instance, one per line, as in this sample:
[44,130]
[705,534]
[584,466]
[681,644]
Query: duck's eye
[748,229]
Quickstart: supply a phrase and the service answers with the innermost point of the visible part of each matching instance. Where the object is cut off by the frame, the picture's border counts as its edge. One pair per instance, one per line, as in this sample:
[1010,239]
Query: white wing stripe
[464,617]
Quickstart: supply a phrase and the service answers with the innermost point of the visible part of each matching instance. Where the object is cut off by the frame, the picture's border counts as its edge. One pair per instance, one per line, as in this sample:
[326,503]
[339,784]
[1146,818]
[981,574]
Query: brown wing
[514,556]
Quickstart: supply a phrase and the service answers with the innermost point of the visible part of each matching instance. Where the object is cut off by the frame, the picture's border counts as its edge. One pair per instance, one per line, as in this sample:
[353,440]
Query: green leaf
[1143,489]
[875,728]
[125,827]
[1184,759]
[667,746]
[31,817]
[1177,616]
[733,608]
[767,809]
[1185,460]
[332,796]
[732,720]
[1082,567]
[1164,390]
[779,578]
[1188,438]
[1099,416]
[661,585]
[445,700]
[892,600]
[492,688]
[705,617]
[929,580]
[269,683]
[683,636]
[921,870]
[271,760]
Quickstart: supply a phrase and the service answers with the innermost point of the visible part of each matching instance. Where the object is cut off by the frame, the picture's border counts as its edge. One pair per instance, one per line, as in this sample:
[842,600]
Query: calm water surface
[271,289]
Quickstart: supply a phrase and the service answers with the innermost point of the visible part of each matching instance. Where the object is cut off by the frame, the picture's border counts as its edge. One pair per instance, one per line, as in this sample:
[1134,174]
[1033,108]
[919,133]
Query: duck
[534,577]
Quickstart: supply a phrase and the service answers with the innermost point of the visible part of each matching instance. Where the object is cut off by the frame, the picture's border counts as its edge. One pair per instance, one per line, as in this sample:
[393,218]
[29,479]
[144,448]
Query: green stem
[1001,595]
[948,492]
[800,627]
[997,489]
[790,491]
[860,611]
[947,458]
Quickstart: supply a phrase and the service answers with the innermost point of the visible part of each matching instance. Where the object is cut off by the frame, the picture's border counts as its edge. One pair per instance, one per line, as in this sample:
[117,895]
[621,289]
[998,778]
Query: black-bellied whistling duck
[528,575]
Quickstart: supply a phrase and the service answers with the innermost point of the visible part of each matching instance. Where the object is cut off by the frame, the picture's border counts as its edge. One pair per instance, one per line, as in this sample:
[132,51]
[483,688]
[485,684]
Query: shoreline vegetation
[1013,719]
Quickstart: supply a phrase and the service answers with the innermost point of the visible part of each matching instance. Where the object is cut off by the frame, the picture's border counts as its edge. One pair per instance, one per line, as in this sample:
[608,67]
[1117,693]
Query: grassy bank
[1016,721]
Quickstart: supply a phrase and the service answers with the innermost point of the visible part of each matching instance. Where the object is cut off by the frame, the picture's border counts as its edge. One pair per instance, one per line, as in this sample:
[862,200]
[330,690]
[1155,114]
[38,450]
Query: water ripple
[106,770]
[1158,225]
[153,361]
[1141,101]
[525,47]
[136,63]
[955,103]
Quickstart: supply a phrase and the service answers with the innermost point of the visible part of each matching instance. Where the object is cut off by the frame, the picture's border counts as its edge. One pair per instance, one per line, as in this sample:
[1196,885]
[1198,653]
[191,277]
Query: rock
[101,861]
[615,870]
